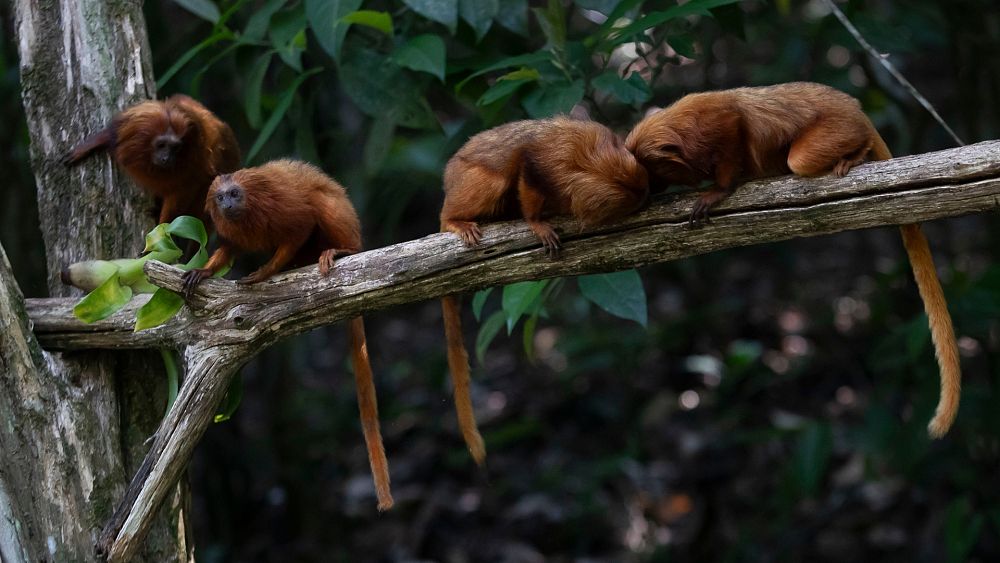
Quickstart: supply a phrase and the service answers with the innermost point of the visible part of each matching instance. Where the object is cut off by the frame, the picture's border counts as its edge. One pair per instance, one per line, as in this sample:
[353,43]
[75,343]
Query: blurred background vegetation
[773,408]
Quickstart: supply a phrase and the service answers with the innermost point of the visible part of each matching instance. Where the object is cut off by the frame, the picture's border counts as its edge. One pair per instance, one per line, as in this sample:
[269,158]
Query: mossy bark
[76,424]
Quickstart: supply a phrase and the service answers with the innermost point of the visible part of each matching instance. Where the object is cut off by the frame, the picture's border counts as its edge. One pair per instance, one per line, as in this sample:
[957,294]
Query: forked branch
[227,324]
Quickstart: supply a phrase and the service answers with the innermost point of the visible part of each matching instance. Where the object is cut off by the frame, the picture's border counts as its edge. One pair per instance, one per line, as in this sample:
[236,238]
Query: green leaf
[547,101]
[231,402]
[552,20]
[381,21]
[158,239]
[518,297]
[279,111]
[260,20]
[507,85]
[479,301]
[619,293]
[130,270]
[654,19]
[188,227]
[631,90]
[380,87]
[204,9]
[513,15]
[190,54]
[441,11]
[255,85]
[479,14]
[324,19]
[103,302]
[380,136]
[160,308]
[518,60]
[607,27]
[288,36]
[487,332]
[423,53]
[173,375]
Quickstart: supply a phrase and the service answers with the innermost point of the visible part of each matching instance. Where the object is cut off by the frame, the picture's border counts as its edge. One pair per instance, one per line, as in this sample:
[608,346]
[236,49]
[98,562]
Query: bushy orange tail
[368,404]
[942,332]
[458,363]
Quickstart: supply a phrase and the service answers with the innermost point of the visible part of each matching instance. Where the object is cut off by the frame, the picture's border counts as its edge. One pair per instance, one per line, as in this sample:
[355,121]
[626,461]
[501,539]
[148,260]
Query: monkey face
[165,149]
[229,199]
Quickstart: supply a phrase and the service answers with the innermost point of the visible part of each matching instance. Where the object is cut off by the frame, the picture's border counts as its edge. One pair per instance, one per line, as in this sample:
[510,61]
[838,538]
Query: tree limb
[903,190]
[226,324]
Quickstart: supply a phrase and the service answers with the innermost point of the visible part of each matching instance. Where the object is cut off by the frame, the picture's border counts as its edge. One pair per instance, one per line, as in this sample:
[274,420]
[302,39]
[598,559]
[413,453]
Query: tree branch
[903,190]
[226,324]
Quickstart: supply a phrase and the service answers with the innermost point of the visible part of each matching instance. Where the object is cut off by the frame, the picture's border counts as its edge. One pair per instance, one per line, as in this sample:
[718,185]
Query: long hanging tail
[942,332]
[458,363]
[368,404]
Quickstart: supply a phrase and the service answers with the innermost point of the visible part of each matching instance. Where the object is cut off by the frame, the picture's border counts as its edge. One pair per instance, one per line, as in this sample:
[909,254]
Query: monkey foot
[192,278]
[844,166]
[707,200]
[255,277]
[548,236]
[326,261]
[329,256]
[468,231]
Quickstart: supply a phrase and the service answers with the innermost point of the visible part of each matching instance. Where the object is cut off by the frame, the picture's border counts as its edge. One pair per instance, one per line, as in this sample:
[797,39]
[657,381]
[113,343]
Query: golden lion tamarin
[172,148]
[808,129]
[300,214]
[531,170]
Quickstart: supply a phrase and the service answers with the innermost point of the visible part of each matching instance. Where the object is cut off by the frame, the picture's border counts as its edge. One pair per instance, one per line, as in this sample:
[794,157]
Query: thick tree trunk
[76,425]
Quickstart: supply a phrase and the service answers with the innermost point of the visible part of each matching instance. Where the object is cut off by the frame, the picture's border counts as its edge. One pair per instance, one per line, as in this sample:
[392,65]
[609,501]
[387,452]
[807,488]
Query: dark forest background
[774,408]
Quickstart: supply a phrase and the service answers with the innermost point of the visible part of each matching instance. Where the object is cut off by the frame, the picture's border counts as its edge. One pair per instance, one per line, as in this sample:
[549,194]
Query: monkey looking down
[531,170]
[808,129]
[172,148]
[299,213]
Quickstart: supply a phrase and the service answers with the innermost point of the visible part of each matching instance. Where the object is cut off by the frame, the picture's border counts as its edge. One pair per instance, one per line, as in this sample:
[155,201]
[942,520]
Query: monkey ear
[671,148]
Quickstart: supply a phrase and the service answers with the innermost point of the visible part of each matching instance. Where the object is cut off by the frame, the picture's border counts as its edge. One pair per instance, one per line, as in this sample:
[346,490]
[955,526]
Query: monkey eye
[233,193]
[219,197]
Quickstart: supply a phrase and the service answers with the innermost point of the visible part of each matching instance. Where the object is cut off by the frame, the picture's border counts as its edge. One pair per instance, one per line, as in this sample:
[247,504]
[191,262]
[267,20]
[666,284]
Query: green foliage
[487,61]
[802,452]
[619,293]
[112,283]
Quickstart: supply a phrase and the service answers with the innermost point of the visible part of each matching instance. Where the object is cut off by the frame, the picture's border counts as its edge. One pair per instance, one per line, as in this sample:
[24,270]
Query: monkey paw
[191,280]
[707,200]
[844,166]
[252,278]
[549,238]
[326,261]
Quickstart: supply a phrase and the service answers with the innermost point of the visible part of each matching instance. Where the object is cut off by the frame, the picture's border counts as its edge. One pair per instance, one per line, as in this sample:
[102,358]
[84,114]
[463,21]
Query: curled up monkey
[530,170]
[808,129]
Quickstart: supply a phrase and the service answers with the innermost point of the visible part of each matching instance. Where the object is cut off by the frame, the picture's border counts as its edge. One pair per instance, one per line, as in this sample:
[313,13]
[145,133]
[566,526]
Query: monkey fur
[808,129]
[300,214]
[530,170]
[173,149]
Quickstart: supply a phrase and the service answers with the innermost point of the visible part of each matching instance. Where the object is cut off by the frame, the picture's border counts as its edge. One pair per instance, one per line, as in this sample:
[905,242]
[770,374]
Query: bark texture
[80,63]
[225,324]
